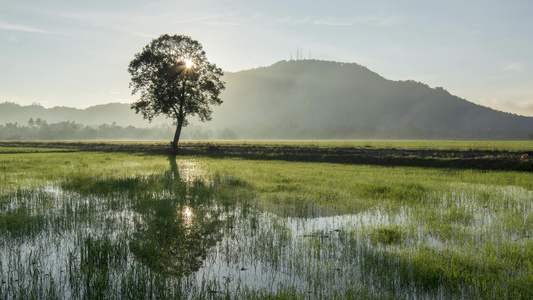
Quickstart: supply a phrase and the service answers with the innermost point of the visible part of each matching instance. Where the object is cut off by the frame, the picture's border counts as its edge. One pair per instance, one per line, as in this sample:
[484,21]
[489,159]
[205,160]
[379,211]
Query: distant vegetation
[119,113]
[41,130]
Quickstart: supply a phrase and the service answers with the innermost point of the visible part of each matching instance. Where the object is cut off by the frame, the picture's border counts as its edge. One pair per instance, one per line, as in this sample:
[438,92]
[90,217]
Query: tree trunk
[174,144]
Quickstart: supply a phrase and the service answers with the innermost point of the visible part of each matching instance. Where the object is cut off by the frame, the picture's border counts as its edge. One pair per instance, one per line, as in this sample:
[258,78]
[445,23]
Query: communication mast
[300,53]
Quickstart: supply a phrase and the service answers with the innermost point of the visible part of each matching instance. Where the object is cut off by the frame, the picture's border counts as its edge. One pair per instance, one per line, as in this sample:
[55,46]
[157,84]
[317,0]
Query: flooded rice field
[184,234]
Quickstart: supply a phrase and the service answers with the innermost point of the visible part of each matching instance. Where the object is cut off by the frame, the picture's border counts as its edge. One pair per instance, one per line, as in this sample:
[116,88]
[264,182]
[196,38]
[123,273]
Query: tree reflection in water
[178,224]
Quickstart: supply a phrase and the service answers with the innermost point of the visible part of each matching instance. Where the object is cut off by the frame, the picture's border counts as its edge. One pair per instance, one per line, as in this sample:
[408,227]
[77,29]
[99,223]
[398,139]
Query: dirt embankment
[497,160]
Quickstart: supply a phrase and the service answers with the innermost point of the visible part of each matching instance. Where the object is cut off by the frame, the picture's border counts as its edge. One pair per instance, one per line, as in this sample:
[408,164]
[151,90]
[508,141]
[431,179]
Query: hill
[320,99]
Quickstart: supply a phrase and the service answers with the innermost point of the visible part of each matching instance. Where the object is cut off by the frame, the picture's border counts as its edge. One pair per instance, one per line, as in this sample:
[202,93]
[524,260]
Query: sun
[188,63]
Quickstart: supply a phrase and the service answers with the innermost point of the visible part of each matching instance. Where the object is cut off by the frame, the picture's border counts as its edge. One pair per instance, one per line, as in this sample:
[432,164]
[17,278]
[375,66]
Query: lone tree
[175,79]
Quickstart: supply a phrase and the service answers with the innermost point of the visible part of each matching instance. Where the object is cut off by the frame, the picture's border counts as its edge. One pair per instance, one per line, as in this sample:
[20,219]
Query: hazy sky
[76,52]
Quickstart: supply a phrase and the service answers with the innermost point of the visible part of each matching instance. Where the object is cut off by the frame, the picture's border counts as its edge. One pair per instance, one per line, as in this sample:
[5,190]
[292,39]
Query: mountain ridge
[118,113]
[321,94]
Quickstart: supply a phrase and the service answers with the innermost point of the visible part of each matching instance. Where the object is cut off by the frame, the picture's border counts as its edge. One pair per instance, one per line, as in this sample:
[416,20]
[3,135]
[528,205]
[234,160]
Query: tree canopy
[175,79]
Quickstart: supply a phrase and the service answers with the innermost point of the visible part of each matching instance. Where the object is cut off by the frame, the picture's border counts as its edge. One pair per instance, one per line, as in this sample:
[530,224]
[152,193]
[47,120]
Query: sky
[75,53]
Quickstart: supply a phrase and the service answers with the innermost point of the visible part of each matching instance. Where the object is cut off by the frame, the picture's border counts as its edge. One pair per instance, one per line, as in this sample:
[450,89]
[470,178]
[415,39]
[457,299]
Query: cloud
[523,108]
[375,20]
[516,66]
[114,92]
[240,18]
[218,19]
[24,28]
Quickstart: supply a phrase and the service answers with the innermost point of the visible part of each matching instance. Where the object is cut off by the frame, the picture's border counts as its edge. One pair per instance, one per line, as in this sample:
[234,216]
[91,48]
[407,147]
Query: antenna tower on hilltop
[299,53]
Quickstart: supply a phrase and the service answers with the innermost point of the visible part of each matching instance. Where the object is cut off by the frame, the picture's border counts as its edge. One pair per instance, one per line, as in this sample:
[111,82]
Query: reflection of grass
[20,222]
[98,257]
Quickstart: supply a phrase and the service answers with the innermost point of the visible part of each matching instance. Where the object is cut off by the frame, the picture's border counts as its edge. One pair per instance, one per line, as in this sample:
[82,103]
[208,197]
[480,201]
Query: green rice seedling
[389,235]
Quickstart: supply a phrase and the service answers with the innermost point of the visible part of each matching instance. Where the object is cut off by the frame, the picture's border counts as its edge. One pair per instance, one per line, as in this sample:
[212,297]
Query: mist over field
[297,99]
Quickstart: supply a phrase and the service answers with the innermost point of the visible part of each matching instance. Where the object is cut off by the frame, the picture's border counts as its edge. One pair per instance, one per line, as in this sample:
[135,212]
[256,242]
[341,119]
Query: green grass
[292,187]
[132,225]
[4,150]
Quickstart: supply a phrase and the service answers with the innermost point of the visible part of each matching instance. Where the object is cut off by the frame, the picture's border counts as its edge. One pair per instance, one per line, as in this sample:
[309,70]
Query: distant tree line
[38,129]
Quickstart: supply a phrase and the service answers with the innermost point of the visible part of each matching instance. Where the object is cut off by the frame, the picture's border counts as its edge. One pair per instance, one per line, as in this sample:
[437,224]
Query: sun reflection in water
[187,215]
